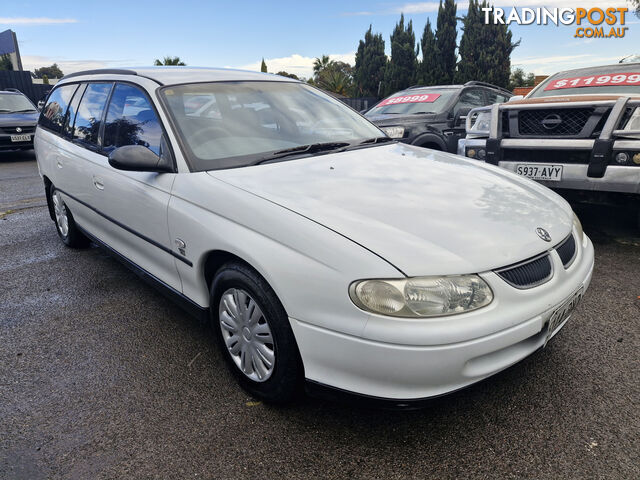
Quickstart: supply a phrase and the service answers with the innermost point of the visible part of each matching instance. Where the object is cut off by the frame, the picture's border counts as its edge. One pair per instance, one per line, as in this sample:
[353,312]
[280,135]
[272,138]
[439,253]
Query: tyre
[254,334]
[66,226]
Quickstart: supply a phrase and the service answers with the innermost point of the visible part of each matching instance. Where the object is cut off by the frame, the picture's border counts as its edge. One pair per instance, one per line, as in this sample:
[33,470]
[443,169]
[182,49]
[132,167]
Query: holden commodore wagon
[323,252]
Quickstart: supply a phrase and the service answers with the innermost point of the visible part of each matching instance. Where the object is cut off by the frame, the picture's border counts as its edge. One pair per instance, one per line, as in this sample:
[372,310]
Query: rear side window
[67,129]
[495,97]
[131,120]
[53,113]
[89,116]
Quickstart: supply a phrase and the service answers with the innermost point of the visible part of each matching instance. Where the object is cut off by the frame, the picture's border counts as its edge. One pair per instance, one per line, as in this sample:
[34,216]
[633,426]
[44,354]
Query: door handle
[97,182]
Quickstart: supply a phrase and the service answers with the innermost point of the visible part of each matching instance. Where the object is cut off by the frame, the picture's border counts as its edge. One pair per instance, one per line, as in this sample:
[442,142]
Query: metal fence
[22,81]
[361,103]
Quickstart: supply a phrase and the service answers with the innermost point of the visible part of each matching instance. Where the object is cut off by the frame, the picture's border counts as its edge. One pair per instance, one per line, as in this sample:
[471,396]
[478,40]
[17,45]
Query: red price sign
[425,98]
[596,81]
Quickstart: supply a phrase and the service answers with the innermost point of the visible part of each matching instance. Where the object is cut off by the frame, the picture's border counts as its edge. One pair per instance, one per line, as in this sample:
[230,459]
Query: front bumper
[398,360]
[6,144]
[616,178]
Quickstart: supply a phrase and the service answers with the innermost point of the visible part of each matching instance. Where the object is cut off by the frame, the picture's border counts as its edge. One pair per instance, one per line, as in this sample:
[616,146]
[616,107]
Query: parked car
[317,247]
[433,117]
[18,118]
[578,131]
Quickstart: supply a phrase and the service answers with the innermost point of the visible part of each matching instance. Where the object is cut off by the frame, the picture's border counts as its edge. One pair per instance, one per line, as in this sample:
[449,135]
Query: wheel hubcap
[246,334]
[60,211]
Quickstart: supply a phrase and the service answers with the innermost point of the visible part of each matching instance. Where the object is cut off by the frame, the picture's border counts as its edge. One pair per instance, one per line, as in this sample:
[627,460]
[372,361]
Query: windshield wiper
[23,111]
[421,113]
[311,148]
[377,140]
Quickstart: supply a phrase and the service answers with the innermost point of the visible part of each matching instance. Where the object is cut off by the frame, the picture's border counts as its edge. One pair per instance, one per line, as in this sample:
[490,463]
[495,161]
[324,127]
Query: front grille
[567,251]
[529,273]
[546,156]
[12,130]
[571,121]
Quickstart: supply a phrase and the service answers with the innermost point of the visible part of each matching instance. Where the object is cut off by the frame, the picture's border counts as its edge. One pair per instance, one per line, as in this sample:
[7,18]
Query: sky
[287,34]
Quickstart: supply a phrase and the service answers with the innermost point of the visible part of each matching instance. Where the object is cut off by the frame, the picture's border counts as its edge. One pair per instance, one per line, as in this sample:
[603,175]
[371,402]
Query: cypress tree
[428,67]
[485,50]
[446,42]
[263,67]
[370,64]
[401,70]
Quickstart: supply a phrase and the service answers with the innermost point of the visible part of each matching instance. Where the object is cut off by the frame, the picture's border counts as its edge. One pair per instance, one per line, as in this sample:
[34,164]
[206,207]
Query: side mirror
[137,158]
[461,116]
[515,97]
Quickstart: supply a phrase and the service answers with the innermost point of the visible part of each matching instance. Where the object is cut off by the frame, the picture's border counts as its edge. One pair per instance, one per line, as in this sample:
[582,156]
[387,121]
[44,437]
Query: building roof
[175,75]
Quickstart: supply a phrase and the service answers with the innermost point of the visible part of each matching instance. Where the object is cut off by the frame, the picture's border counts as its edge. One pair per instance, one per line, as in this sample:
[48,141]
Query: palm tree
[169,61]
[319,64]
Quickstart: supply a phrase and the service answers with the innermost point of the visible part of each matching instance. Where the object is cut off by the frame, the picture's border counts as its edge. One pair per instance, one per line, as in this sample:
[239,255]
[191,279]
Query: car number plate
[538,171]
[20,138]
[562,313]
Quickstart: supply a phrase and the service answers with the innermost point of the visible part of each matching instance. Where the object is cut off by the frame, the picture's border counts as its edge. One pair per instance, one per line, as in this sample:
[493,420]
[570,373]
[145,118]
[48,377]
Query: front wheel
[254,334]
[66,226]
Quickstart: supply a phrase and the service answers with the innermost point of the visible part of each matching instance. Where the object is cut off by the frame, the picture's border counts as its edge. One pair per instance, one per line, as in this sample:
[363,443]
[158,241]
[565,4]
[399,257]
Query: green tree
[45,80]
[446,43]
[282,73]
[169,61]
[401,69]
[52,72]
[333,76]
[5,62]
[263,66]
[371,62]
[485,50]
[519,78]
[428,67]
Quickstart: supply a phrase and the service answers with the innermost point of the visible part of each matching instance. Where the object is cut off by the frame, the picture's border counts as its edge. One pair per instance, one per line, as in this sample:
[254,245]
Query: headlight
[578,227]
[633,125]
[421,296]
[393,132]
[479,123]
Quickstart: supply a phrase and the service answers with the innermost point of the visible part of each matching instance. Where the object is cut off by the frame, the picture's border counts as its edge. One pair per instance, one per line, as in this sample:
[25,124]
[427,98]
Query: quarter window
[131,120]
[53,113]
[89,116]
[495,97]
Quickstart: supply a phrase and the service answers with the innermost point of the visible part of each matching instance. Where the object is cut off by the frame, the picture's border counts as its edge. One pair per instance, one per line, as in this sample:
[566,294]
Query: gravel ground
[101,377]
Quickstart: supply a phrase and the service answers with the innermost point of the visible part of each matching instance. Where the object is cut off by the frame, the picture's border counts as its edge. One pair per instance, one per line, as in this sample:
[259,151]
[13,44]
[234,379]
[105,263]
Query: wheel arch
[47,191]
[429,140]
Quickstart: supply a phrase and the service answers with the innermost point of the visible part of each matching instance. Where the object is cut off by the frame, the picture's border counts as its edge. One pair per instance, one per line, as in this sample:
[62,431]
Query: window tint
[89,116]
[131,120]
[53,113]
[471,98]
[67,129]
[495,97]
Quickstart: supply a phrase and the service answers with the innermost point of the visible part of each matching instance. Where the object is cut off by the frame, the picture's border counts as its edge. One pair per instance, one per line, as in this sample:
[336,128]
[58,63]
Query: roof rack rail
[98,71]
[486,84]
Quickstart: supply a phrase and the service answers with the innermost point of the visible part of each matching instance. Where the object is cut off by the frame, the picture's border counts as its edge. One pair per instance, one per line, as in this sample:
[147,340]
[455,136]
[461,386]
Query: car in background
[18,119]
[316,246]
[433,117]
[577,132]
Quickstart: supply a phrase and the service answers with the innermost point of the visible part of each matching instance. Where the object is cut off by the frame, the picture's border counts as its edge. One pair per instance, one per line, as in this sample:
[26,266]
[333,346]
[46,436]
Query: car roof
[616,66]
[174,75]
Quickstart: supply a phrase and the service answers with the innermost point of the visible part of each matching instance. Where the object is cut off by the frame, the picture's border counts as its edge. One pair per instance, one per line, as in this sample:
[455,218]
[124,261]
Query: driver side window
[470,98]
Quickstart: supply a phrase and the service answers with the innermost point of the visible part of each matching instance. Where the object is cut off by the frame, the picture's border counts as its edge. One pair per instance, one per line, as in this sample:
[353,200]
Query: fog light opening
[622,158]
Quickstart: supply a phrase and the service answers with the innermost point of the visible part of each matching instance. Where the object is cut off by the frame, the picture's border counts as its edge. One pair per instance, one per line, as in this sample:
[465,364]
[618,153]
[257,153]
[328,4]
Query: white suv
[319,248]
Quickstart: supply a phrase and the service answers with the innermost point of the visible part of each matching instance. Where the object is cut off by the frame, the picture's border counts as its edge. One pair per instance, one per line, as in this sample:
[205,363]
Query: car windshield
[612,79]
[12,102]
[234,124]
[413,102]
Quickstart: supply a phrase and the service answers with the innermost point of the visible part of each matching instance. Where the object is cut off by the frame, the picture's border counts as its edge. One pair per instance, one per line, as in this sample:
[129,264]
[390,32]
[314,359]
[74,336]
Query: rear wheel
[254,334]
[66,226]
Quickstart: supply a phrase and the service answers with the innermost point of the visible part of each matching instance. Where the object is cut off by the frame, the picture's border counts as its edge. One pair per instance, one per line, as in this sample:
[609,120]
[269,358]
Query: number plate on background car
[561,313]
[538,171]
[20,138]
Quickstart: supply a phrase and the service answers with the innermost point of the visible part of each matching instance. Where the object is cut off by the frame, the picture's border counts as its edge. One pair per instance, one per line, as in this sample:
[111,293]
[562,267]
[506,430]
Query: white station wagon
[319,248]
